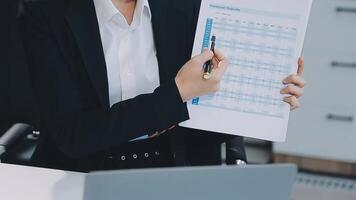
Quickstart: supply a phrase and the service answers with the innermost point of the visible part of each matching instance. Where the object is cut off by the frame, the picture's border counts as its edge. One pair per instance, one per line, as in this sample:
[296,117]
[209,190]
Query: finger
[215,62]
[295,80]
[219,55]
[221,59]
[300,66]
[221,69]
[223,64]
[204,57]
[292,90]
[293,102]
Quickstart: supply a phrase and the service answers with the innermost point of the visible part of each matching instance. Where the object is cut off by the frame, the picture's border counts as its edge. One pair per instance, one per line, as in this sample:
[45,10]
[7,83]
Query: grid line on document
[242,85]
[263,30]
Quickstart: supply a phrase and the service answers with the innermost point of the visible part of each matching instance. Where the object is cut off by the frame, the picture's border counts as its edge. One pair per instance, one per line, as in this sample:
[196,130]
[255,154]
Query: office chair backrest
[13,135]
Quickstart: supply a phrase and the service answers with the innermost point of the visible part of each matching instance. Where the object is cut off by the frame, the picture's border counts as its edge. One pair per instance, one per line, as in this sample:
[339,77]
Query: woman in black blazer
[80,130]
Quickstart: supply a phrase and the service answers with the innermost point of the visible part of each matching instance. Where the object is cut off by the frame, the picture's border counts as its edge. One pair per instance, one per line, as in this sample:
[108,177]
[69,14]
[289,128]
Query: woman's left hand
[295,83]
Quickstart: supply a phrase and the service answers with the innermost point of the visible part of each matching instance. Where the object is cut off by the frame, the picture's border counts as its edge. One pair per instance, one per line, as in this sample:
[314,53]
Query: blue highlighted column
[207,33]
[206,42]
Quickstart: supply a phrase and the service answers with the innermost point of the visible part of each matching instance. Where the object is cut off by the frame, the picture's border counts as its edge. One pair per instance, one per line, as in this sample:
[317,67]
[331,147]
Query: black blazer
[16,102]
[68,73]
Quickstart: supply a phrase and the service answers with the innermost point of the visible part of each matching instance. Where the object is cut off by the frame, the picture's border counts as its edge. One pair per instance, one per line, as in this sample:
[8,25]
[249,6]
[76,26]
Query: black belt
[149,153]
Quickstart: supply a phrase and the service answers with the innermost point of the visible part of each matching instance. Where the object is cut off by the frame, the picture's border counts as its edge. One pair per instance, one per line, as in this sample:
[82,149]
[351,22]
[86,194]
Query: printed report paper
[263,40]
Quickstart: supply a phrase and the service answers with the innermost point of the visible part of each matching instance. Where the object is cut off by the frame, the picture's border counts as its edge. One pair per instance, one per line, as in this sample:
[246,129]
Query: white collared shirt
[130,53]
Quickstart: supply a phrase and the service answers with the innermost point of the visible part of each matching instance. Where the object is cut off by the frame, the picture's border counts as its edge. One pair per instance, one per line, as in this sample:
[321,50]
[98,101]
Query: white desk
[24,183]
[28,183]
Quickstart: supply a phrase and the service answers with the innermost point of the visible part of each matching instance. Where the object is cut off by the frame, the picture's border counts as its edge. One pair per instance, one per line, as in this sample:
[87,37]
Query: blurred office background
[321,136]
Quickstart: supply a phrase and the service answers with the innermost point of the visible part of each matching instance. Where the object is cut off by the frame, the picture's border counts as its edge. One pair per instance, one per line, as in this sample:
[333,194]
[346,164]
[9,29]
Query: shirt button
[157,153]
[146,155]
[134,156]
[123,158]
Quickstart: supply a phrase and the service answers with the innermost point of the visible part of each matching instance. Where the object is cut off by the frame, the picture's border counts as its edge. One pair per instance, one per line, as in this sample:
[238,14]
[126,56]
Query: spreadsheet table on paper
[263,40]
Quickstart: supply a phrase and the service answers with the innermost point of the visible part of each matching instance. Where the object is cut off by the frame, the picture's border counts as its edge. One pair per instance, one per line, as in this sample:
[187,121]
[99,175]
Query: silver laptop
[260,182]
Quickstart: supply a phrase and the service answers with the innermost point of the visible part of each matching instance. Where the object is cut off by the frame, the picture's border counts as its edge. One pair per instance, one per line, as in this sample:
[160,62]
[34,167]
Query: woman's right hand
[190,80]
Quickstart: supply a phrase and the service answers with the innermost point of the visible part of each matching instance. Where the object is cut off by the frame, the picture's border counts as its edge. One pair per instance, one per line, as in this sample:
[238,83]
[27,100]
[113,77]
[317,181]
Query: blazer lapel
[82,20]
[170,34]
[158,16]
